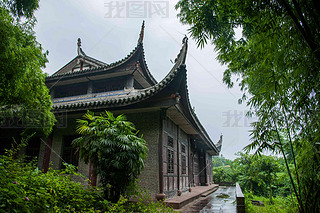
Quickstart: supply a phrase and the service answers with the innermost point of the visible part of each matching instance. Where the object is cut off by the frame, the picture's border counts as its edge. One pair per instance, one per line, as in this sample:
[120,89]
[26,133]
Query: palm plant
[112,144]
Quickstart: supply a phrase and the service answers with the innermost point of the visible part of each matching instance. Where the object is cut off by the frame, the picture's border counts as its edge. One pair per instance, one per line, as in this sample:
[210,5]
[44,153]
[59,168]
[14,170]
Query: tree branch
[291,146]
[302,30]
[300,207]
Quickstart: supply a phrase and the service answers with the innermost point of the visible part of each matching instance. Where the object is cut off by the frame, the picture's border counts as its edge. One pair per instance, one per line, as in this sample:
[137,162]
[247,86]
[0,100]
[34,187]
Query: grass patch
[222,195]
[278,204]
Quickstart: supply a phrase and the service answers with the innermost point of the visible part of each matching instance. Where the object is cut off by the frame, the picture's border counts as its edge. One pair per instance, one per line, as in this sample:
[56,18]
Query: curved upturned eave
[138,95]
[137,52]
[147,73]
[178,70]
[186,101]
[97,69]
[194,119]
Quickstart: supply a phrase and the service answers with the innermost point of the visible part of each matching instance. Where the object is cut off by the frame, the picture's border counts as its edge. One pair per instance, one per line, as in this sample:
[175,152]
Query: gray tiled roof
[116,98]
[124,97]
[104,67]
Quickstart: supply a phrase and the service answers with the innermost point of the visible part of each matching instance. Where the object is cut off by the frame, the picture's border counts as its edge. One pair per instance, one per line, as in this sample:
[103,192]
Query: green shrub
[223,174]
[112,144]
[278,204]
[25,188]
[144,203]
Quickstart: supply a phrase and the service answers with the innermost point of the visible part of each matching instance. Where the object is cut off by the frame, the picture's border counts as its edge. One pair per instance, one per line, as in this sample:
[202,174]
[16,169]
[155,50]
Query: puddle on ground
[221,201]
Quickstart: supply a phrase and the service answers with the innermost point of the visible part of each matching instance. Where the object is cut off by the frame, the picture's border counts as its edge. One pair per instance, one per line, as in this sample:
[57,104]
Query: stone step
[186,198]
[210,191]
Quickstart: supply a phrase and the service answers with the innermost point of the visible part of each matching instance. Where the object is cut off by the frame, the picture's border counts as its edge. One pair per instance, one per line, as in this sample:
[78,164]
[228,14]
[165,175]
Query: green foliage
[278,205]
[220,161]
[144,203]
[22,8]
[114,147]
[277,60]
[260,174]
[308,168]
[261,178]
[23,93]
[222,174]
[223,170]
[24,188]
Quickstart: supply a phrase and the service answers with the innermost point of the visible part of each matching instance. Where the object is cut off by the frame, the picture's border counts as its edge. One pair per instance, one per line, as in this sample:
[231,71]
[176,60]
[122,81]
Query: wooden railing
[240,199]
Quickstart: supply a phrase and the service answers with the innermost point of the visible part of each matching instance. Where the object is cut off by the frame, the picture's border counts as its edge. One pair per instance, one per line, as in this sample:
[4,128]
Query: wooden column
[92,175]
[190,169]
[178,161]
[163,115]
[47,153]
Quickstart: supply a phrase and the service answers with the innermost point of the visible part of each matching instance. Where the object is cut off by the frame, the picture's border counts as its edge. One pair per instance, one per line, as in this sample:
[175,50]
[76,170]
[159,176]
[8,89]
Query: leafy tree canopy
[277,59]
[272,43]
[258,175]
[23,93]
[220,161]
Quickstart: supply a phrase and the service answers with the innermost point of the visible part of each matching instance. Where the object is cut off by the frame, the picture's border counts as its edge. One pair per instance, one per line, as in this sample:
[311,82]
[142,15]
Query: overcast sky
[109,30]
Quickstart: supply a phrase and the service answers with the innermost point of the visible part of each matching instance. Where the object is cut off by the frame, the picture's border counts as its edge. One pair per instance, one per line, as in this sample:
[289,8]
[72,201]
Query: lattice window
[170,161]
[183,159]
[184,164]
[183,149]
[170,141]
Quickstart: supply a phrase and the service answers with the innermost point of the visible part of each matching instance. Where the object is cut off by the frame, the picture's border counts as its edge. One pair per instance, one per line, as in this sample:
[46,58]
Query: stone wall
[58,140]
[148,124]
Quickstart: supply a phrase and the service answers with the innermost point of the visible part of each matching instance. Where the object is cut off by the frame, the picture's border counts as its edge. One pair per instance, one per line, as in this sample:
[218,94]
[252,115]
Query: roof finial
[185,39]
[79,46]
[141,34]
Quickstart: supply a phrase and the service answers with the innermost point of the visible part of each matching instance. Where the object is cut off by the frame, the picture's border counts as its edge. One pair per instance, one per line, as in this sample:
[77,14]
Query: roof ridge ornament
[79,46]
[185,39]
[80,51]
[141,34]
[181,57]
[219,143]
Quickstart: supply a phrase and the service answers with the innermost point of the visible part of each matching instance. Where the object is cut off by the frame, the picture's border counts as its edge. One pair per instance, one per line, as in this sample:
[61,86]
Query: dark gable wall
[181,146]
[148,124]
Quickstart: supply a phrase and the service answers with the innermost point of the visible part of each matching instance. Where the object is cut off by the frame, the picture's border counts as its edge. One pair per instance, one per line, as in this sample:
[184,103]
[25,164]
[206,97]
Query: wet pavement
[221,201]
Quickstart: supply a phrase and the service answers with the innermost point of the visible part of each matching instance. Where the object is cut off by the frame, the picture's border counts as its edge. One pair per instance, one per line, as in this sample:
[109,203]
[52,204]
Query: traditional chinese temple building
[180,150]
